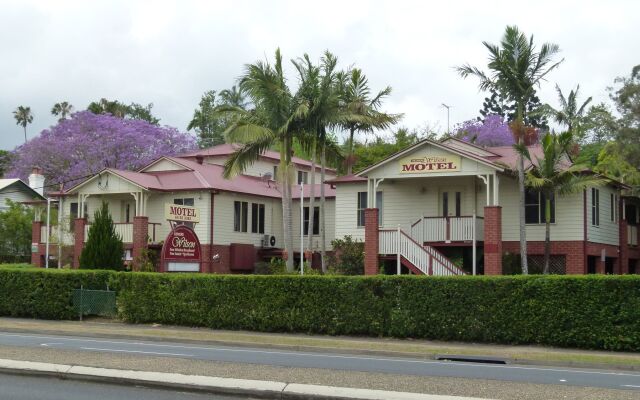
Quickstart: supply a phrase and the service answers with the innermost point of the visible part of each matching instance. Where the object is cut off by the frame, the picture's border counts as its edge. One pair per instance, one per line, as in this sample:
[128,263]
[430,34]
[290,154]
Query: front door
[451,202]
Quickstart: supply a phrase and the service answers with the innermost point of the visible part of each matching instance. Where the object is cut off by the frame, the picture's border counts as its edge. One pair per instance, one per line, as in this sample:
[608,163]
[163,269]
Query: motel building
[183,209]
[435,208]
[450,207]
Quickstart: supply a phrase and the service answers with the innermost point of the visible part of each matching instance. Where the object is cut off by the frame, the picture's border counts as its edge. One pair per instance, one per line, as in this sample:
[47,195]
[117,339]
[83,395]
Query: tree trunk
[350,160]
[312,195]
[25,133]
[285,155]
[323,237]
[547,232]
[523,225]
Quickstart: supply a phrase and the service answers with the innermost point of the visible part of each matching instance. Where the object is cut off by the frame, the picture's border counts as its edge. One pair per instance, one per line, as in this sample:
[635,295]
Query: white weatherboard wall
[262,166]
[155,212]
[569,216]
[223,217]
[164,165]
[608,231]
[330,229]
[15,194]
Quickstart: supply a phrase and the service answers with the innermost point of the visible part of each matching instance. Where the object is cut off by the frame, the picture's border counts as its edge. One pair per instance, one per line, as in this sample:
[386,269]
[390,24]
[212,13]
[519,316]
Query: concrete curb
[305,348]
[207,384]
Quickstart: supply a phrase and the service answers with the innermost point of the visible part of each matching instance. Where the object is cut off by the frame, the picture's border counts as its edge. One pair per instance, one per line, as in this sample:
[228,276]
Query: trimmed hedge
[599,312]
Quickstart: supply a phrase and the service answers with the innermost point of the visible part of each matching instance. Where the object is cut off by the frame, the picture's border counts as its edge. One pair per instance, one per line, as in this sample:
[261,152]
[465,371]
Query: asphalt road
[349,362]
[14,387]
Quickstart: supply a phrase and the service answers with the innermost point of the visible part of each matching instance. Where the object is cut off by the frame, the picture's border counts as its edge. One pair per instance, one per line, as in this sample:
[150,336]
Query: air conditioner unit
[268,241]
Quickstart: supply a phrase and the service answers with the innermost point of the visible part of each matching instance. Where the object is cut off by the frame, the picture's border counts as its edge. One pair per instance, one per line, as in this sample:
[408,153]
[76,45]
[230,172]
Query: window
[73,214]
[316,221]
[187,201]
[302,177]
[257,218]
[362,205]
[240,211]
[534,207]
[614,204]
[595,207]
[275,172]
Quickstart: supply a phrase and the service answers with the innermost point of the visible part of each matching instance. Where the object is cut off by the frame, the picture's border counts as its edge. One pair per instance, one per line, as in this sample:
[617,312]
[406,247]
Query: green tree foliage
[570,114]
[121,110]
[61,110]
[627,101]
[15,232]
[498,103]
[104,248]
[369,153]
[598,125]
[210,125]
[5,161]
[348,256]
[23,117]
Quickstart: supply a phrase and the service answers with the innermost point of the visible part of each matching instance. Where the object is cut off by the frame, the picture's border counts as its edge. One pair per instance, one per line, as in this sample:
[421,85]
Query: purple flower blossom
[493,131]
[86,143]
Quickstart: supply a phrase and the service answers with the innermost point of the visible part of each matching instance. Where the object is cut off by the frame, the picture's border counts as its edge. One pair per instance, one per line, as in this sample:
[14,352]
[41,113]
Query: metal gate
[94,302]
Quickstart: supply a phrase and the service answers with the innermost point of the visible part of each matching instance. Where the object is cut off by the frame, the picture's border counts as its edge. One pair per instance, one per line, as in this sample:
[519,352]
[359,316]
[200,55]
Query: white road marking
[292,353]
[631,386]
[136,351]
[49,344]
[563,380]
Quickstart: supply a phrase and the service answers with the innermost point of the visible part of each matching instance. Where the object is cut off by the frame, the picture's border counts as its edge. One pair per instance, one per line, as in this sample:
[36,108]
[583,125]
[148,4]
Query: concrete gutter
[207,384]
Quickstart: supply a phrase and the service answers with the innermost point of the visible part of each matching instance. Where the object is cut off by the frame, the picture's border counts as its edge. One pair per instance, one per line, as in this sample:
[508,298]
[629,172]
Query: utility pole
[448,108]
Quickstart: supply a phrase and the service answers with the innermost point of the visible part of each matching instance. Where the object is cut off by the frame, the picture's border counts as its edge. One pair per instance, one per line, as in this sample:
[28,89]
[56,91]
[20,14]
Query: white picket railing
[125,230]
[632,235]
[427,259]
[447,229]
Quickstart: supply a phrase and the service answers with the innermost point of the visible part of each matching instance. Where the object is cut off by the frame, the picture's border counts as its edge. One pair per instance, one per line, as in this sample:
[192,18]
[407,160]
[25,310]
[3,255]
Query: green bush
[45,294]
[597,312]
[348,256]
[104,249]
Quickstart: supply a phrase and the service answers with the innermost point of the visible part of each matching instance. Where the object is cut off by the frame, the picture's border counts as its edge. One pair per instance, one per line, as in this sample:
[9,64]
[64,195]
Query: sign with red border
[181,251]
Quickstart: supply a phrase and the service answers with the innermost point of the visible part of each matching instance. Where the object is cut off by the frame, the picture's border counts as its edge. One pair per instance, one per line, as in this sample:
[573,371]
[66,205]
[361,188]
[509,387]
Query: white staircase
[424,259]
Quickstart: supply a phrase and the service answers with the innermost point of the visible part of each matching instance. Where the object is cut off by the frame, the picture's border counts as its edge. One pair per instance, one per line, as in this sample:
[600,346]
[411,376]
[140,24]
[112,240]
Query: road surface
[348,362]
[16,387]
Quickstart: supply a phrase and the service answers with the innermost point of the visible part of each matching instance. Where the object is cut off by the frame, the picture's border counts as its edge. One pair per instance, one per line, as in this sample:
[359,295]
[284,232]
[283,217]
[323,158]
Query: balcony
[125,230]
[447,229]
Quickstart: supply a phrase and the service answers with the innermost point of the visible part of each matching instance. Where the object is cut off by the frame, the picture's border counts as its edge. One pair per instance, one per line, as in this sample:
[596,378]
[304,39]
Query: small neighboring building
[433,201]
[18,191]
[239,220]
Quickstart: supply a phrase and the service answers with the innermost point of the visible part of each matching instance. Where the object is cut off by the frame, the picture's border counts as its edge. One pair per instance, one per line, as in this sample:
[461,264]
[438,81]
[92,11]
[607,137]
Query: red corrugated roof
[208,177]
[227,148]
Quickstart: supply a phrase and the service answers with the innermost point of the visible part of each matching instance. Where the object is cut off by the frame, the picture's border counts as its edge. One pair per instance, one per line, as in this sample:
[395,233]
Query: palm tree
[354,93]
[516,68]
[234,97]
[569,114]
[62,109]
[270,123]
[552,176]
[23,118]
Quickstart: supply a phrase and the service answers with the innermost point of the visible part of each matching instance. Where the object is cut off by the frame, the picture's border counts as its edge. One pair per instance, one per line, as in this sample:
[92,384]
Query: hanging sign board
[421,165]
[181,250]
[175,212]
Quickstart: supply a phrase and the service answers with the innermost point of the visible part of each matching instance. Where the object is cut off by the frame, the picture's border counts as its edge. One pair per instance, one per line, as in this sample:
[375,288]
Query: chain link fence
[94,302]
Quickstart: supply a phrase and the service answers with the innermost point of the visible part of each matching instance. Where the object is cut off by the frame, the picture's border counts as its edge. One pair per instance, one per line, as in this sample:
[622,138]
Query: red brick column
[36,238]
[371,241]
[623,256]
[140,234]
[78,234]
[493,240]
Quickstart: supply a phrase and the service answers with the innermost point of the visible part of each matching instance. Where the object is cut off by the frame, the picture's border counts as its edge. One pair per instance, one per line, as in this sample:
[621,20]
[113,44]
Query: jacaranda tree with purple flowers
[86,143]
[493,131]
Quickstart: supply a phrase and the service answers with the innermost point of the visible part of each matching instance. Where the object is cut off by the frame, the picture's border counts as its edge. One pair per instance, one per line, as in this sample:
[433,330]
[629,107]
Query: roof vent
[199,159]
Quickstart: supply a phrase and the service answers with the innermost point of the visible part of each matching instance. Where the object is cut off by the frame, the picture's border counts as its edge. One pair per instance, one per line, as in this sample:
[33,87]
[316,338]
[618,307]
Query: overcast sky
[170,52]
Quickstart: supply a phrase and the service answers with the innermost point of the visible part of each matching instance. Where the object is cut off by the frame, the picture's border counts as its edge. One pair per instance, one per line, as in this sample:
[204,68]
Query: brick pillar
[140,234]
[36,238]
[493,240]
[623,256]
[78,235]
[371,241]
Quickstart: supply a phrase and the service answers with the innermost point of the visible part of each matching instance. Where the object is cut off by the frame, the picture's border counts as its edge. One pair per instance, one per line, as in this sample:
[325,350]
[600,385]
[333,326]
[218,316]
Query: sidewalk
[533,355]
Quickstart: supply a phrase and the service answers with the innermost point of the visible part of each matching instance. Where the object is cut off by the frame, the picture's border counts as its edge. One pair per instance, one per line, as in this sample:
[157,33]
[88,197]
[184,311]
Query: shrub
[348,256]
[104,248]
[597,312]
